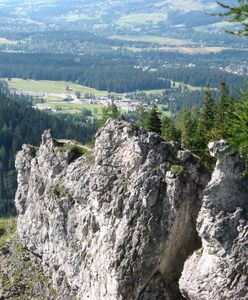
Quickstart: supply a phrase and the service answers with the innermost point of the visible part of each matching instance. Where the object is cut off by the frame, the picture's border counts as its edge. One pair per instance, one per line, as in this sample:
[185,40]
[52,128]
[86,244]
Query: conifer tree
[153,121]
[236,14]
[169,130]
[238,110]
[238,125]
[141,116]
[187,125]
[194,135]
[110,111]
[208,111]
[221,114]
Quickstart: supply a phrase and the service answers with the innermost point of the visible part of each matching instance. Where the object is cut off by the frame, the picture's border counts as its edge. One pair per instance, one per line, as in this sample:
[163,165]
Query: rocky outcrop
[116,225]
[219,269]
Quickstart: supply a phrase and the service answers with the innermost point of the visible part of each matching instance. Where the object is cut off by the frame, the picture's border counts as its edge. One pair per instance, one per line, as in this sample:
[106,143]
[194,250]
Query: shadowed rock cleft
[219,269]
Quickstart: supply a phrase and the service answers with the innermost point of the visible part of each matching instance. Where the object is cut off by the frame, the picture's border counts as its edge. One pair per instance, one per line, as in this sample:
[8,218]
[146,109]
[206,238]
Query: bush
[177,170]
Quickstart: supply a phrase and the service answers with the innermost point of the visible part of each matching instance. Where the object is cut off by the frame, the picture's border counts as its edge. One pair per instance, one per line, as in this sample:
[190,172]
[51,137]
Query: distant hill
[105,15]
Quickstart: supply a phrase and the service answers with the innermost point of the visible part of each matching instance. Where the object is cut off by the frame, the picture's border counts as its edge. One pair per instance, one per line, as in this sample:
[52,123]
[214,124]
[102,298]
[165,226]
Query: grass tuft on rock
[177,170]
[7,229]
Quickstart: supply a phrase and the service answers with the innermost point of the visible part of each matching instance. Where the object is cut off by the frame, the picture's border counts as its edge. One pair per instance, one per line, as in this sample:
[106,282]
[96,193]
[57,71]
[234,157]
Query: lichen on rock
[117,228]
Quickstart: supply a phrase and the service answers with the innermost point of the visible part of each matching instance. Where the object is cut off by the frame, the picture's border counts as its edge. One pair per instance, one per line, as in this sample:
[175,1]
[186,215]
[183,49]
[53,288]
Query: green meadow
[48,86]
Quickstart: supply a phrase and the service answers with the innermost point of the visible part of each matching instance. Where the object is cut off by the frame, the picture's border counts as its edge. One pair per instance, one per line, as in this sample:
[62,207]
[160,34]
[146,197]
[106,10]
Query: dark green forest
[201,76]
[106,72]
[121,71]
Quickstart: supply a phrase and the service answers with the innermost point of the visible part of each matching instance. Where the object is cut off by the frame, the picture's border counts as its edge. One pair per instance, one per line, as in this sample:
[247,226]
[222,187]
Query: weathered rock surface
[116,228]
[219,270]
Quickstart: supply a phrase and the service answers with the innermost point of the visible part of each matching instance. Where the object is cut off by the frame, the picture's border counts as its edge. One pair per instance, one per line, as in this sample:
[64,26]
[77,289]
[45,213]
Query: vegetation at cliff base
[20,278]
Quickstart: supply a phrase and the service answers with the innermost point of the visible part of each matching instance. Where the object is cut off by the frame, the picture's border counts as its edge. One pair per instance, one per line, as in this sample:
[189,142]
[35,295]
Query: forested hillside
[122,72]
[19,124]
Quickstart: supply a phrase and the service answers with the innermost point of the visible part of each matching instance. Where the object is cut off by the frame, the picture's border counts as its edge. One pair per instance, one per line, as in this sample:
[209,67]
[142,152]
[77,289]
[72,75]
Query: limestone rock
[118,227]
[219,270]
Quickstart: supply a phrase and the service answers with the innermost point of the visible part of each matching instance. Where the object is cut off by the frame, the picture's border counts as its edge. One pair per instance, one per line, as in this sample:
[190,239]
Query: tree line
[218,118]
[221,118]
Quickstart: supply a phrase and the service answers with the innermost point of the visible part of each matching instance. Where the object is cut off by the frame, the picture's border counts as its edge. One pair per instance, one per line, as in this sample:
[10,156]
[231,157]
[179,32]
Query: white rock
[119,228]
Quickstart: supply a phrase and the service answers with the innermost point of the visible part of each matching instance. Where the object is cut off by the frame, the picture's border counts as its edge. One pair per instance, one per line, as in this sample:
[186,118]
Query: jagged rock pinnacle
[116,225]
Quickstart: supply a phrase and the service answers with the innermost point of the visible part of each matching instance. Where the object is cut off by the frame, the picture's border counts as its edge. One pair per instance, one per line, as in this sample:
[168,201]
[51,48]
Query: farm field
[141,18]
[184,50]
[72,108]
[163,113]
[56,87]
[53,92]
[161,40]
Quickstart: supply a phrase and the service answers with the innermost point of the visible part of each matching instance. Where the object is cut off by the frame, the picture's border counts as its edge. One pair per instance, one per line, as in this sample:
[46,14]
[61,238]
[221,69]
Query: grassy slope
[20,278]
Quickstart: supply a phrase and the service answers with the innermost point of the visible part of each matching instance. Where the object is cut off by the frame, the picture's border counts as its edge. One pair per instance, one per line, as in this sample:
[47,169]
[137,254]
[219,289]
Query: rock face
[116,227]
[219,269]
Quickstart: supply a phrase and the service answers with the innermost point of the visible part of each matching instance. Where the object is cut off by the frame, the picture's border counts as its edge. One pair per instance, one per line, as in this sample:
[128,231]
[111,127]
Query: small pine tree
[78,94]
[194,135]
[141,116]
[188,124]
[153,121]
[169,130]
[110,111]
